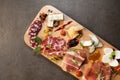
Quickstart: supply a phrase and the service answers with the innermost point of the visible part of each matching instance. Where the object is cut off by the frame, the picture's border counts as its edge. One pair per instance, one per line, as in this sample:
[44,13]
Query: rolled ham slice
[98,71]
[73,60]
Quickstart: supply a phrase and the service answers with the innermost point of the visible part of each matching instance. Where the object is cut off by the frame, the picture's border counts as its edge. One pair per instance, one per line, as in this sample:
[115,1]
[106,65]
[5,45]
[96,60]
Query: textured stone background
[18,62]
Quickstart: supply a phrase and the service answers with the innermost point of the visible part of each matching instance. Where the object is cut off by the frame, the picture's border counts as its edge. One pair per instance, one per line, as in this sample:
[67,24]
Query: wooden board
[66,18]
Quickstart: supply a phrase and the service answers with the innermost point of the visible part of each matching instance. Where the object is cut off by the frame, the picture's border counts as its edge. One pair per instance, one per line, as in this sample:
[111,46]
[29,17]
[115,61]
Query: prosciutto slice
[98,69]
[73,60]
[54,46]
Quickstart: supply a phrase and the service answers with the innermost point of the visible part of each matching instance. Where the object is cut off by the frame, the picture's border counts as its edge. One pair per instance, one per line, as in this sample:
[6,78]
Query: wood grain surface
[85,35]
[17,61]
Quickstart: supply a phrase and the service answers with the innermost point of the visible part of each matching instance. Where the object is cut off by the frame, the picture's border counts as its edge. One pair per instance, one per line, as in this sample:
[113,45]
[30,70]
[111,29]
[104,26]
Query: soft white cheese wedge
[87,43]
[110,53]
[95,39]
[114,63]
[106,58]
[99,45]
[54,17]
[91,49]
[117,54]
[108,50]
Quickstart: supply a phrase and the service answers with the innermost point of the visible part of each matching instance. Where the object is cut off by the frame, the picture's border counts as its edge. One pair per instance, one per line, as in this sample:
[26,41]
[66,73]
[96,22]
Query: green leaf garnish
[38,40]
[112,55]
[45,31]
[73,49]
[37,50]
[49,45]
[81,44]
[75,61]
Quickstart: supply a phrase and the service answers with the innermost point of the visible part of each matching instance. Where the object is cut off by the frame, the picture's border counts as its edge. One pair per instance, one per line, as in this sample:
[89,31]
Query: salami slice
[54,46]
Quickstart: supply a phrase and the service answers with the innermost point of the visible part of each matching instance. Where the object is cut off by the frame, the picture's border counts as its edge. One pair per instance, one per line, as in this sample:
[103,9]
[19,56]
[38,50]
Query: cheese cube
[50,23]
[54,17]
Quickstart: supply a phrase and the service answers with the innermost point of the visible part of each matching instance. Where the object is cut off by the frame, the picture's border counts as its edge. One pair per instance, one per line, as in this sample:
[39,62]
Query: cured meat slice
[107,72]
[73,60]
[98,70]
[35,27]
[54,46]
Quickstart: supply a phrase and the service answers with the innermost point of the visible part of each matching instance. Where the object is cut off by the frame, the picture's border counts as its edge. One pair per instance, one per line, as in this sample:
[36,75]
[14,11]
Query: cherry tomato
[78,73]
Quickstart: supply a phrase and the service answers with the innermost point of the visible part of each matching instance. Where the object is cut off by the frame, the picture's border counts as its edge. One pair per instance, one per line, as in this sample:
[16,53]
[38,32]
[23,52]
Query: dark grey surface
[18,62]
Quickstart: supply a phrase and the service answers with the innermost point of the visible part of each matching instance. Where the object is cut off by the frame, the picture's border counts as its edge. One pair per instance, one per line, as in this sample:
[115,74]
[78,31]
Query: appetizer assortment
[71,46]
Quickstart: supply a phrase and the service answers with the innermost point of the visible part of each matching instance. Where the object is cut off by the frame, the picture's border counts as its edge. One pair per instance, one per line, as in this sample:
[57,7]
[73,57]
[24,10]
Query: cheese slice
[87,43]
[72,34]
[73,31]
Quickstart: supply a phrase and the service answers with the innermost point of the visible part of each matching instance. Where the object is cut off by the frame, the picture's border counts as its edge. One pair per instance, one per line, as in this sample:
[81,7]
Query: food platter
[72,47]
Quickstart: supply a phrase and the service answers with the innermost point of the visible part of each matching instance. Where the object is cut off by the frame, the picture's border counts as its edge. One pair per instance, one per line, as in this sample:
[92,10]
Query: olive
[73,42]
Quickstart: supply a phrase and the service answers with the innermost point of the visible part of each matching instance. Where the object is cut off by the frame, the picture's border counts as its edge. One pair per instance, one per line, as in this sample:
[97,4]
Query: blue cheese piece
[53,17]
[50,23]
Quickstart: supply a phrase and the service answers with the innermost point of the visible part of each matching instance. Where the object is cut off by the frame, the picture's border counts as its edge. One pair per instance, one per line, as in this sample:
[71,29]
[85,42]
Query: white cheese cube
[54,17]
[50,23]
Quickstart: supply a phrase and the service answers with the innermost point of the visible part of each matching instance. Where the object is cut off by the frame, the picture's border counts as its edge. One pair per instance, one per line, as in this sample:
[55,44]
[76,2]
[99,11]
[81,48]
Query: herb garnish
[73,49]
[75,61]
[81,44]
[48,45]
[37,49]
[38,40]
[112,55]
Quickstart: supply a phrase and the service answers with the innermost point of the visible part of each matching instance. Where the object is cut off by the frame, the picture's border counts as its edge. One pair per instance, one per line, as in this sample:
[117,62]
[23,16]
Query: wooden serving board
[66,19]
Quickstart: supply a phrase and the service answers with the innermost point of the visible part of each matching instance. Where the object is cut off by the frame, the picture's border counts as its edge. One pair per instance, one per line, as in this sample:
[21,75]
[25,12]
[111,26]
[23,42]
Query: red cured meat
[54,46]
[33,31]
[72,60]
[97,67]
